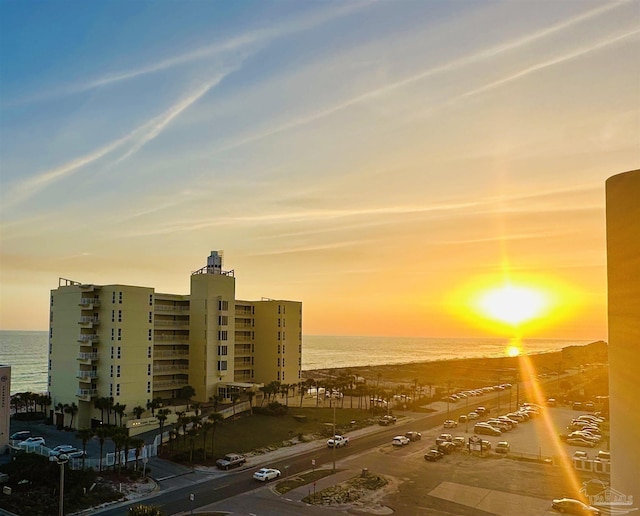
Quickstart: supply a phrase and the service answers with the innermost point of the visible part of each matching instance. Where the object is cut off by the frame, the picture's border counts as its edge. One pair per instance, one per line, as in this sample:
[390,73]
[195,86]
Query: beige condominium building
[133,344]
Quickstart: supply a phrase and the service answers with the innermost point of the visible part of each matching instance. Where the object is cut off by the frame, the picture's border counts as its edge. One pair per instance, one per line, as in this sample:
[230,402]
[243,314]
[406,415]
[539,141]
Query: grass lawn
[255,432]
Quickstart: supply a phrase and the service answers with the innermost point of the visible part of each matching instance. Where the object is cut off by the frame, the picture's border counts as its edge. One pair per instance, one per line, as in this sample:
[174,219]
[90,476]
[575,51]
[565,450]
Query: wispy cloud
[136,139]
[457,64]
[250,41]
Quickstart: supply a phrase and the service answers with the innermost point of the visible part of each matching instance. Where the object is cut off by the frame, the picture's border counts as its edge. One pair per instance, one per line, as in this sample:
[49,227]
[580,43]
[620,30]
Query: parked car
[459,441]
[473,415]
[264,474]
[446,437]
[445,447]
[483,428]
[337,441]
[387,420]
[462,418]
[231,460]
[450,423]
[580,441]
[571,506]
[400,440]
[502,447]
[65,449]
[579,454]
[604,455]
[20,436]
[413,436]
[31,442]
[433,455]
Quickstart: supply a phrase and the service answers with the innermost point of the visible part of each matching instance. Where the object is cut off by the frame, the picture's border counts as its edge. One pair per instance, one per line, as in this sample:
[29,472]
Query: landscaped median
[302,480]
[348,492]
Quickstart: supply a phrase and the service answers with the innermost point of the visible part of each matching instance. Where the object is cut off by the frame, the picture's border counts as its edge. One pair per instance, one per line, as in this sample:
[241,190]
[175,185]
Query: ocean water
[27,354]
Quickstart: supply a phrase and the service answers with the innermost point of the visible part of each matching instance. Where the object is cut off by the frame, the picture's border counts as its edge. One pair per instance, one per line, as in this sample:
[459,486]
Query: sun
[513,305]
[513,351]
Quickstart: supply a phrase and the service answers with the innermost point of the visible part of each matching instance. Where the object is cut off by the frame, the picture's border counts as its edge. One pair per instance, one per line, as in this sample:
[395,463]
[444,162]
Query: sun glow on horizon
[511,304]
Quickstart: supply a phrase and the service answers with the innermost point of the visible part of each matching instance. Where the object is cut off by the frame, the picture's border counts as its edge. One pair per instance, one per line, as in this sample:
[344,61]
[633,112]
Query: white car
[265,474]
[450,423]
[62,449]
[31,442]
[580,441]
[338,441]
[400,440]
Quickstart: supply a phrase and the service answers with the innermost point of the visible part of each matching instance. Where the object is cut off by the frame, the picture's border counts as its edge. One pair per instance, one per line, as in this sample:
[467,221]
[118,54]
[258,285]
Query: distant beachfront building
[135,345]
[623,274]
[5,406]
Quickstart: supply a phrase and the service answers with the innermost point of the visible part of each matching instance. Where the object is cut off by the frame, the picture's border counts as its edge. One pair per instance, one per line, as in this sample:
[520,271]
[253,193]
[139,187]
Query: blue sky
[321,145]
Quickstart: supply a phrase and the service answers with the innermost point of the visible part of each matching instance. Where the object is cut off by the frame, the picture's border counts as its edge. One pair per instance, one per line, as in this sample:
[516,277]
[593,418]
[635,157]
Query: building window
[282,363]
[222,350]
[149,352]
[148,387]
[283,349]
[150,299]
[222,365]
[148,369]
[150,316]
[119,298]
[279,336]
[118,371]
[150,334]
[113,333]
[117,389]
[110,389]
[284,323]
[283,337]
[119,315]
[113,296]
[299,348]
[111,373]
[111,352]
[119,354]
[119,334]
[278,323]
[223,305]
[278,361]
[113,316]
[278,375]
[222,335]
[253,348]
[223,320]
[278,310]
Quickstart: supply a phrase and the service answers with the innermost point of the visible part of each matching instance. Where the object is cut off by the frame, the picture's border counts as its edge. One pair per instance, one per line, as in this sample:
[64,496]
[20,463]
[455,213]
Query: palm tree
[187,392]
[194,431]
[138,445]
[183,421]
[73,410]
[234,400]
[250,395]
[153,405]
[109,406]
[162,417]
[44,400]
[215,399]
[216,419]
[126,441]
[102,433]
[206,426]
[118,437]
[101,404]
[84,434]
[138,411]
[118,410]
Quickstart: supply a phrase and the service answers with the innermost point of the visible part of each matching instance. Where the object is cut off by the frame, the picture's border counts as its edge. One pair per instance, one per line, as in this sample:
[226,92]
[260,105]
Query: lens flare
[512,304]
[514,351]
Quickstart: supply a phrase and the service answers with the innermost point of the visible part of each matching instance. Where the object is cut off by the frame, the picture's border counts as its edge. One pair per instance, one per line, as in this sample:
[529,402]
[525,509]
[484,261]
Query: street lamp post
[61,460]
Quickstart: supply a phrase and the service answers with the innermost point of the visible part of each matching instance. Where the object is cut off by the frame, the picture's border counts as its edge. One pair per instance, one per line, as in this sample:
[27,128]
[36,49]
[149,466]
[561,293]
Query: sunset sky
[385,163]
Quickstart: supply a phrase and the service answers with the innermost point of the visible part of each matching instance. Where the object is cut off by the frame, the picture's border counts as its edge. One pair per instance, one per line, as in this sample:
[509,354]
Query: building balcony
[242,362]
[88,357]
[243,324]
[89,288]
[167,385]
[86,394]
[88,338]
[87,376]
[170,369]
[171,353]
[171,338]
[160,323]
[89,302]
[87,320]
[181,309]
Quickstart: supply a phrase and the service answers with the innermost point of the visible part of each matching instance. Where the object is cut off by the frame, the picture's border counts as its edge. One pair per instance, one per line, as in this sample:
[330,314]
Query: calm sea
[26,352]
